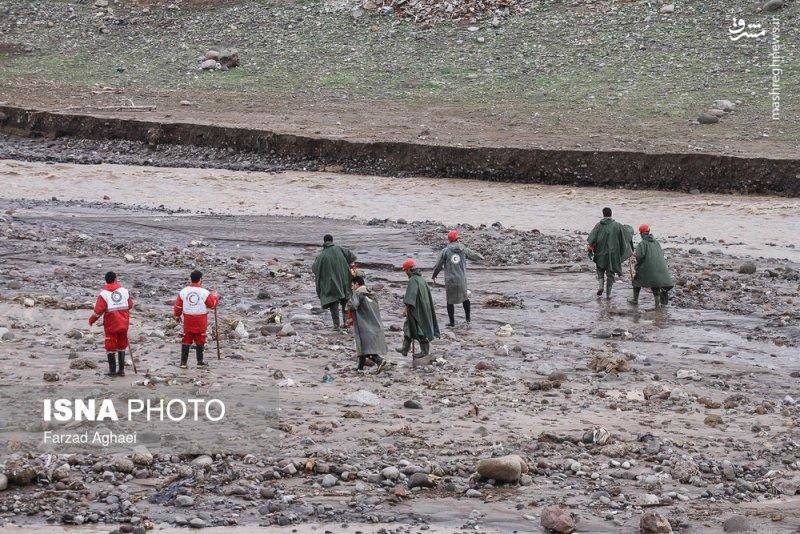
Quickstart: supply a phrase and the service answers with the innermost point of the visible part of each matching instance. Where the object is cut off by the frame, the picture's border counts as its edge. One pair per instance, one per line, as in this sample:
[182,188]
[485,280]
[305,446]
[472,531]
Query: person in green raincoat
[367,325]
[609,246]
[421,324]
[651,269]
[332,272]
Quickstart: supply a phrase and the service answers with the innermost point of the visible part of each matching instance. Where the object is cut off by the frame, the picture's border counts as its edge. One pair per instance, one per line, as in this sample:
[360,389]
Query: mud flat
[690,411]
[640,170]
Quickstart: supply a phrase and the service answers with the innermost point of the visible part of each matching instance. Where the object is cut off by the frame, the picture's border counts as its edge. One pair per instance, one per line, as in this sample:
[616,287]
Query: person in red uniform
[115,303]
[193,303]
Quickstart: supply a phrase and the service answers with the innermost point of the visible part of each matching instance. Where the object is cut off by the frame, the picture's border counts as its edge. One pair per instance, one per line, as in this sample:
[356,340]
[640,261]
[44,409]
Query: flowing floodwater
[754,225]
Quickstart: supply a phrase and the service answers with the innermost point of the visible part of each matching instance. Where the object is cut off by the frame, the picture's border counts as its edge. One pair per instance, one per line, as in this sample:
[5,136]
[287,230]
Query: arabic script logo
[740,29]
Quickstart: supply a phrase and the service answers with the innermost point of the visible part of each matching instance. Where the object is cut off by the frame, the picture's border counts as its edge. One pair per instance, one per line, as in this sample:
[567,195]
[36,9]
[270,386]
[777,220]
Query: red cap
[452,235]
[409,264]
[644,228]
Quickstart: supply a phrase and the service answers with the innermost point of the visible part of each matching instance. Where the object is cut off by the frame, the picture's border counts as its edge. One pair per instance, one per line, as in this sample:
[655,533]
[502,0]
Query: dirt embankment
[704,172]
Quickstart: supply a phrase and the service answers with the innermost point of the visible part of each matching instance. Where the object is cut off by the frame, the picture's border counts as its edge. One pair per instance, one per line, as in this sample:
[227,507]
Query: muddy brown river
[755,225]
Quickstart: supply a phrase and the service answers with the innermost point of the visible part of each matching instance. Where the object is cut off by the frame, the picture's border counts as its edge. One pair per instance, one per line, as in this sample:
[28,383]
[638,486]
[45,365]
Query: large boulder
[503,469]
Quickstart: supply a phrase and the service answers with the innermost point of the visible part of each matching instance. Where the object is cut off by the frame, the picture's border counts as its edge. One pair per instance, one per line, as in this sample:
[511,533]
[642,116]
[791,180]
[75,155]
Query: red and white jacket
[114,301]
[193,303]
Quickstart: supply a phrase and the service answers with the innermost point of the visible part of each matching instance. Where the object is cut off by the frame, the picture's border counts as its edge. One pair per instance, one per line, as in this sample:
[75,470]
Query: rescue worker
[453,260]
[332,273]
[651,269]
[367,325]
[192,304]
[609,246]
[420,324]
[115,303]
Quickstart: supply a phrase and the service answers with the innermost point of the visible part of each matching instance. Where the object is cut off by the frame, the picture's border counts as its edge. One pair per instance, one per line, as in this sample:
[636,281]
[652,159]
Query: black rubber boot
[335,315]
[184,355]
[424,357]
[362,359]
[121,363]
[635,298]
[406,346]
[467,309]
[425,347]
[664,296]
[657,296]
[112,364]
[451,314]
[199,351]
[600,282]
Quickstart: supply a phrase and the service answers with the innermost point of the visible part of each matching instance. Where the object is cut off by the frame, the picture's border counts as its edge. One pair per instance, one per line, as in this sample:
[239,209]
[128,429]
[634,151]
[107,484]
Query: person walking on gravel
[420,324]
[332,273]
[651,269]
[453,260]
[114,304]
[609,244]
[367,325]
[192,305]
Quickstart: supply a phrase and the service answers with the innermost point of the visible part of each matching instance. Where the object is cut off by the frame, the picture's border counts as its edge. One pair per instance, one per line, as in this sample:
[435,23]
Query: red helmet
[452,235]
[409,264]
[644,228]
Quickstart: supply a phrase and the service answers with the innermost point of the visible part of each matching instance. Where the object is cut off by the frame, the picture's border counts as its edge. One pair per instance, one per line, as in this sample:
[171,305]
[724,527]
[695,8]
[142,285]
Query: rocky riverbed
[554,409]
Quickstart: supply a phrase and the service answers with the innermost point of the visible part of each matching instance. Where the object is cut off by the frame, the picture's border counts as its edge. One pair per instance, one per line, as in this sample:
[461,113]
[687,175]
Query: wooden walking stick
[133,360]
[216,330]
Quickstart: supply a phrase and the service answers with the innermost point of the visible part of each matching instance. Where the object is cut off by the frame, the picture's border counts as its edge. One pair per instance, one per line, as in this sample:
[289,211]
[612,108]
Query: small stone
[654,523]
[556,519]
[503,469]
[773,5]
[648,499]
[83,363]
[6,334]
[203,461]
[391,473]
[707,118]
[473,493]
[3,482]
[129,258]
[287,330]
[329,481]
[50,376]
[420,480]
[725,105]
[713,420]
[412,405]
[124,465]
[363,397]
[142,456]
[240,331]
[687,374]
[196,522]
[669,8]
[747,267]
[28,302]
[184,500]
[737,523]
